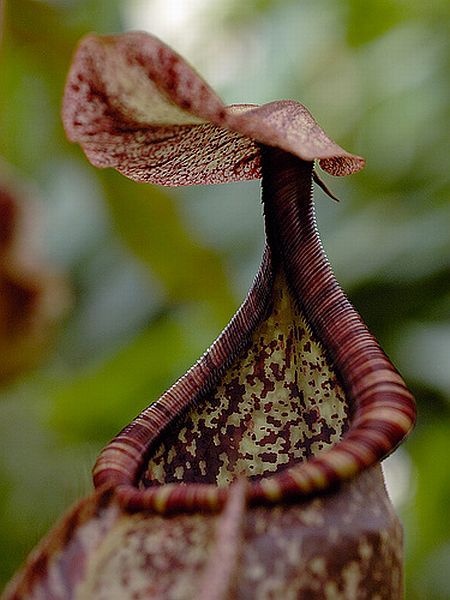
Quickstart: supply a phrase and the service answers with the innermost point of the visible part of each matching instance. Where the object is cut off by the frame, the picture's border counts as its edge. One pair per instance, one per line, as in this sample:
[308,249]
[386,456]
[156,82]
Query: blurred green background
[156,273]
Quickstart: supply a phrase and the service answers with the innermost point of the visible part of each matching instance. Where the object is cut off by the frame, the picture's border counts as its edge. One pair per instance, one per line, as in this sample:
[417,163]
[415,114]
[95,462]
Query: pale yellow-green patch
[278,404]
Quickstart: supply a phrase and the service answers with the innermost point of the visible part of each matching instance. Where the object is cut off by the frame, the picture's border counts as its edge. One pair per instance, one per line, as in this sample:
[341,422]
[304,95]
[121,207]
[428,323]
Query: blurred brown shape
[33,297]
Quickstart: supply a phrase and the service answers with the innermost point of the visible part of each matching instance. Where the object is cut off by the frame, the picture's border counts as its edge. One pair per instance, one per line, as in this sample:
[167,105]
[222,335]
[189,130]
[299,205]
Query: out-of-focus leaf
[368,20]
[98,401]
[148,221]
[38,41]
[29,495]
[236,13]
[427,521]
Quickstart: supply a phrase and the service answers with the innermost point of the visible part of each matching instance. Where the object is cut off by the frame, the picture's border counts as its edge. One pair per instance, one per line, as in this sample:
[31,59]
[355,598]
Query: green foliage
[106,397]
[188,270]
[427,522]
[153,271]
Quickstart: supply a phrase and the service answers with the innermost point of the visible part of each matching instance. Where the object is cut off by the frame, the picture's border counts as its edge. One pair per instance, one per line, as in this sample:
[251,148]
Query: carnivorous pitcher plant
[257,474]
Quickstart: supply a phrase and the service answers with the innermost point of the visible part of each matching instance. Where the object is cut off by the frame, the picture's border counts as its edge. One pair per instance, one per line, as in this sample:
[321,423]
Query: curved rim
[120,463]
[383,408]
